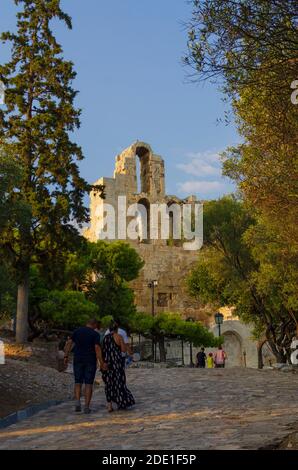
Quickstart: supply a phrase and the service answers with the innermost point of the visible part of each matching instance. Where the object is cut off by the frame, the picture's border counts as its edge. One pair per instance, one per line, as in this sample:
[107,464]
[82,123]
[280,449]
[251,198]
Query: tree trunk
[280,356]
[162,349]
[22,309]
[260,356]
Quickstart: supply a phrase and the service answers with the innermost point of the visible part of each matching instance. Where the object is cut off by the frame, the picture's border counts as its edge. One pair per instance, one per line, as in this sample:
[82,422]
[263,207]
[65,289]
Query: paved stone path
[176,409]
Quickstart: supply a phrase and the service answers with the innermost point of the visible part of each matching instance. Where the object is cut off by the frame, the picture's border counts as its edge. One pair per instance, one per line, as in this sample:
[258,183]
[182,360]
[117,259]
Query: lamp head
[218,318]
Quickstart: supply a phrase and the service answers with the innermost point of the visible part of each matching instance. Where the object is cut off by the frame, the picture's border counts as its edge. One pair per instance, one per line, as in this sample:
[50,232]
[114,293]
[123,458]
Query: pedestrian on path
[60,353]
[114,376]
[87,356]
[220,358]
[210,361]
[101,331]
[201,359]
[122,332]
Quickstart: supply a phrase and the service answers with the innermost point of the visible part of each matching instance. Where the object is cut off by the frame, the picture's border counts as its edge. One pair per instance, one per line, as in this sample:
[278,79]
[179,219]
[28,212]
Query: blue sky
[127,54]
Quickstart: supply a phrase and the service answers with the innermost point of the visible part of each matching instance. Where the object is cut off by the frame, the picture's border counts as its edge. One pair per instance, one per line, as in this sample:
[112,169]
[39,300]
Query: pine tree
[35,126]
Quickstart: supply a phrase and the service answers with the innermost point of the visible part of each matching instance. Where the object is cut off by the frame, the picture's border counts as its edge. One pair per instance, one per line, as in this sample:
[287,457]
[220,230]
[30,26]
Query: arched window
[144,221]
[143,169]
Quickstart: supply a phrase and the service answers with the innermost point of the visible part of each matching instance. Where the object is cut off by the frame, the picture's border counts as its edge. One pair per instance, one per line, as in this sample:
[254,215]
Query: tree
[238,267]
[67,309]
[250,48]
[12,212]
[113,265]
[95,278]
[35,128]
[11,207]
[171,325]
[7,292]
[239,42]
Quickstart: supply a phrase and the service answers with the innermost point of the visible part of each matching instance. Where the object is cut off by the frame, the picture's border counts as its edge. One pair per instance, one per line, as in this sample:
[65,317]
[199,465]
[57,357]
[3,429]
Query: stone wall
[239,344]
[165,260]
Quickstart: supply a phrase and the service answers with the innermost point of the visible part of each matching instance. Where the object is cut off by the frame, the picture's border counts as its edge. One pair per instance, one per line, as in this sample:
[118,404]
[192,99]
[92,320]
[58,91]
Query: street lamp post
[218,320]
[191,364]
[152,284]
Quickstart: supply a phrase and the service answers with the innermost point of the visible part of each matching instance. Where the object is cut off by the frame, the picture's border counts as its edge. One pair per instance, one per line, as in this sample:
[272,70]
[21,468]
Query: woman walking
[220,357]
[114,377]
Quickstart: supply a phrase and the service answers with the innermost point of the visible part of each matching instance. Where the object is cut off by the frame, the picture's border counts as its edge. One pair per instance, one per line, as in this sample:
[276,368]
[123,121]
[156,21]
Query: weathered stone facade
[165,260]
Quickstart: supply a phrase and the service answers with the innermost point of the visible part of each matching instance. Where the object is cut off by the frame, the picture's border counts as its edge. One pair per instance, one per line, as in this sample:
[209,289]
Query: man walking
[87,356]
[201,359]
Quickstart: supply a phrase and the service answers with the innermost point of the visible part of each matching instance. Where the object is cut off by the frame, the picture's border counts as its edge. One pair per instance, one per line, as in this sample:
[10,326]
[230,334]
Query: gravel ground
[26,380]
[23,384]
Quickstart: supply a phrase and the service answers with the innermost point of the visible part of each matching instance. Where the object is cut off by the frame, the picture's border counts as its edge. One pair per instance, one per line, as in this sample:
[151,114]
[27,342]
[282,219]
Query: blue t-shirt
[85,339]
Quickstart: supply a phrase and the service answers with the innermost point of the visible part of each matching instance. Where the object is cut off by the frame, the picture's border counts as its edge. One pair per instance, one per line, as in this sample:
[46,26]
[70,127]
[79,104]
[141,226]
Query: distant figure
[60,354]
[114,376]
[220,357]
[87,356]
[210,361]
[101,331]
[201,359]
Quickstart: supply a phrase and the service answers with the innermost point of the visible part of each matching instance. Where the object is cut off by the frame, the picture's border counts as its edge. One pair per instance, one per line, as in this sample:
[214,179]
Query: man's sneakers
[78,409]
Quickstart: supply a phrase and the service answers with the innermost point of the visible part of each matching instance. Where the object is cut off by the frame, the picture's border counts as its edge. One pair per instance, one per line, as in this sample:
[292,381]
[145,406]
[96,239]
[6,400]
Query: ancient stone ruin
[140,176]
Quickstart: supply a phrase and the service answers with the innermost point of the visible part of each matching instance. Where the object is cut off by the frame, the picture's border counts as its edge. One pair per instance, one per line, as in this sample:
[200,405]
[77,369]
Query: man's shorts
[84,372]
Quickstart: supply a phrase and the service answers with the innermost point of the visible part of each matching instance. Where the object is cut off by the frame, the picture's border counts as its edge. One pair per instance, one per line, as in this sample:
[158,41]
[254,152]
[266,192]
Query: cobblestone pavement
[176,409]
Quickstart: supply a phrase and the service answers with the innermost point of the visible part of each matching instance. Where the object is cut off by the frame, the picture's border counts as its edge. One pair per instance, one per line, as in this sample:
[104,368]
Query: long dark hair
[113,327]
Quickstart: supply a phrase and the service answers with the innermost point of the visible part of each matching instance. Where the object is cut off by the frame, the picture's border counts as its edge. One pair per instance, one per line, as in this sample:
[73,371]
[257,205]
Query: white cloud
[207,156]
[201,164]
[198,168]
[201,187]
[207,169]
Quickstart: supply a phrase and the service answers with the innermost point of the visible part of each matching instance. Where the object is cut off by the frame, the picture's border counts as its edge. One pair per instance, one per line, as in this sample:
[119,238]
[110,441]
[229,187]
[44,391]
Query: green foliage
[170,324]
[97,272]
[112,299]
[67,309]
[206,286]
[250,48]
[232,40]
[113,265]
[106,321]
[7,292]
[35,127]
[236,43]
[117,260]
[241,266]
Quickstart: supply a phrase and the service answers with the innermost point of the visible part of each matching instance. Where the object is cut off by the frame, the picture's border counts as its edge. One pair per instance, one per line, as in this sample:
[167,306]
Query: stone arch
[174,218]
[145,229]
[171,220]
[239,340]
[151,171]
[143,152]
[234,348]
